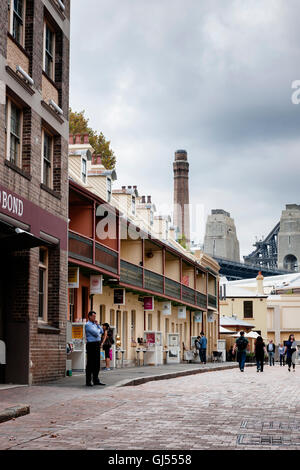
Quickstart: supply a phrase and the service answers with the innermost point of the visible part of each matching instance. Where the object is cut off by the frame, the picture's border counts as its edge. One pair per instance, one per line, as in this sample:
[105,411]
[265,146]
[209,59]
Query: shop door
[2,335]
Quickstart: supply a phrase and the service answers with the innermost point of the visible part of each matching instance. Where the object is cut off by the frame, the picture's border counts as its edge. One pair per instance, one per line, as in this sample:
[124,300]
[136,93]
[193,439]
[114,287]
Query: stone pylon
[181,196]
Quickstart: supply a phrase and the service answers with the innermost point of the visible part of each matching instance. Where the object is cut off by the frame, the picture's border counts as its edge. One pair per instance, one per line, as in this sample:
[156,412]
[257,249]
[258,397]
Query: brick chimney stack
[181,196]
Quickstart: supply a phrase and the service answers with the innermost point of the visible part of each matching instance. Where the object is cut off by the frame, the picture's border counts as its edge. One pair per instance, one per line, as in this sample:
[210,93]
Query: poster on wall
[119,296]
[149,304]
[166,308]
[73,278]
[198,317]
[210,317]
[182,312]
[96,283]
[185,280]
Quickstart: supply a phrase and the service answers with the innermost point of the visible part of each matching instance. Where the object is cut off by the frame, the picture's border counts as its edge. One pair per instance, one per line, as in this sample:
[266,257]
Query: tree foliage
[78,124]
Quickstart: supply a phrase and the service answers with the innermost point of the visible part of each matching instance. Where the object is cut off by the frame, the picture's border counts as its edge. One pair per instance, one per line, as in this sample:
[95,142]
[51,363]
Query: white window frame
[11,21]
[45,267]
[51,159]
[84,177]
[9,102]
[52,75]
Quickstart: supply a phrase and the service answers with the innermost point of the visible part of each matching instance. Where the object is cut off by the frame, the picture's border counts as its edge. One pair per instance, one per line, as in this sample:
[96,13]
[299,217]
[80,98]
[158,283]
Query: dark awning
[12,239]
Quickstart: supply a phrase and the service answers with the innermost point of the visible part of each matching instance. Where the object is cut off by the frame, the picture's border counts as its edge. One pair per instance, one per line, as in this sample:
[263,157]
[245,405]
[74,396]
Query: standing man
[271,352]
[241,345]
[203,346]
[93,333]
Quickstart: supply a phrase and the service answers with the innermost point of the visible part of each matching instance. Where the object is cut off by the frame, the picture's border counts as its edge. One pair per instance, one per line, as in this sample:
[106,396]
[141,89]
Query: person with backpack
[260,351]
[107,343]
[241,345]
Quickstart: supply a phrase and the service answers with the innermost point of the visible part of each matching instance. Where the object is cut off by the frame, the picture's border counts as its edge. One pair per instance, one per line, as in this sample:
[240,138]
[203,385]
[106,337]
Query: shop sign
[166,308]
[119,296]
[77,331]
[198,317]
[96,282]
[73,278]
[11,204]
[210,317]
[149,304]
[182,313]
[150,338]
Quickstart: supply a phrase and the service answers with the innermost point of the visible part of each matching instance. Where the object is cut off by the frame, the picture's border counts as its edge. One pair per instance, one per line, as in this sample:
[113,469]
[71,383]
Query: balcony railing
[212,301]
[201,300]
[131,274]
[172,288]
[80,248]
[153,281]
[188,294]
[106,258]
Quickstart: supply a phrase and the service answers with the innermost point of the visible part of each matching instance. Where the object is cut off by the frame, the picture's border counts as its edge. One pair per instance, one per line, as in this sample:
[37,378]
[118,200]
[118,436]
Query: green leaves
[78,124]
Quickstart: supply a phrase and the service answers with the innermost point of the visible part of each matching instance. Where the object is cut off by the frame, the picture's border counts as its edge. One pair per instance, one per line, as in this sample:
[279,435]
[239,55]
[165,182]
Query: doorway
[2,333]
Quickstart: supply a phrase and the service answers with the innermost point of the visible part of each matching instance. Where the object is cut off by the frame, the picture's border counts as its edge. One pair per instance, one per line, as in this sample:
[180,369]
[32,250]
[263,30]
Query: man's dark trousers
[93,362]
[202,353]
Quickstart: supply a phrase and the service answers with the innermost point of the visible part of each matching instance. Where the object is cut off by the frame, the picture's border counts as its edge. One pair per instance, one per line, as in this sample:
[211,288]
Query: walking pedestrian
[241,345]
[291,349]
[271,352]
[260,351]
[107,342]
[203,347]
[281,350]
[93,333]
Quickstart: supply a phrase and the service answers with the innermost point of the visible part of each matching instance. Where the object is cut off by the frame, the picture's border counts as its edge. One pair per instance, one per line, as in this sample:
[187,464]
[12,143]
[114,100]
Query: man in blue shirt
[93,334]
[203,347]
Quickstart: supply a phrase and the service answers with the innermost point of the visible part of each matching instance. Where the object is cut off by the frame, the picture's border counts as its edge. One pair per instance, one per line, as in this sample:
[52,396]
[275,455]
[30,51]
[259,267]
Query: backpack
[197,344]
[241,343]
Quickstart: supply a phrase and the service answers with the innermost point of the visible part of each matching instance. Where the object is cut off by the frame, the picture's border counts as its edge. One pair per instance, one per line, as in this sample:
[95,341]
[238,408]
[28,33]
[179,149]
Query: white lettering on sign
[11,203]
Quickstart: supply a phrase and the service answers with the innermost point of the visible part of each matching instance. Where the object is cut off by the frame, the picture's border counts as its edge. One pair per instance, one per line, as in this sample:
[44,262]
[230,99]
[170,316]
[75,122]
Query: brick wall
[43,350]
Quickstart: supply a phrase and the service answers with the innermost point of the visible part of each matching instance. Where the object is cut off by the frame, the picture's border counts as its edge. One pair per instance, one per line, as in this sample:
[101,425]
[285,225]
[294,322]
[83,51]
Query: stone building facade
[220,237]
[34,103]
[289,238]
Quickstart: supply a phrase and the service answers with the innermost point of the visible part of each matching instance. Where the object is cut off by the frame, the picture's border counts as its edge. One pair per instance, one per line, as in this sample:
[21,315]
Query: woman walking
[260,351]
[107,343]
[290,349]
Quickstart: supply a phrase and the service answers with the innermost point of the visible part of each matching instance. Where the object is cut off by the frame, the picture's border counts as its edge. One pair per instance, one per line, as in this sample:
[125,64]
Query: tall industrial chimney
[181,196]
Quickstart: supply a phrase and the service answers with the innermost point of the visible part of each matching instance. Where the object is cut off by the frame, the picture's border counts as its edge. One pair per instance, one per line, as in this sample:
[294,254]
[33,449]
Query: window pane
[41,292]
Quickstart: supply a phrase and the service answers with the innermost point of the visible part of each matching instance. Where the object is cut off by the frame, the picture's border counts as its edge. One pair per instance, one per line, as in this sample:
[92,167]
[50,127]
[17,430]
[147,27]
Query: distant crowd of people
[287,352]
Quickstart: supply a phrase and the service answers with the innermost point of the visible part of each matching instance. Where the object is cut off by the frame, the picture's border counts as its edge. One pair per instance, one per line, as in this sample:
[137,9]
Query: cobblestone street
[217,410]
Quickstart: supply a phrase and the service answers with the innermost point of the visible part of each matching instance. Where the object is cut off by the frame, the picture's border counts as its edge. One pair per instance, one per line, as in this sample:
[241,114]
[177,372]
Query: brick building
[34,95]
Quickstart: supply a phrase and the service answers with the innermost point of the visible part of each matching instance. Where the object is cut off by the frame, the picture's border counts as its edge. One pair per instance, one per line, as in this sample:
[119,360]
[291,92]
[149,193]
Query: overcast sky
[213,77]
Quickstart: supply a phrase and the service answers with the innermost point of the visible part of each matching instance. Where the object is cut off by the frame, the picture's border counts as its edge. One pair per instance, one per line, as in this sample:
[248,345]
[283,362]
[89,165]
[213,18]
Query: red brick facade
[36,351]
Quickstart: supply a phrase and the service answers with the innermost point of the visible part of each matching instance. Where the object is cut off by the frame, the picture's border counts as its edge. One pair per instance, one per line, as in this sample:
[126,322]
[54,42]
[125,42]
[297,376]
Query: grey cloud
[213,77]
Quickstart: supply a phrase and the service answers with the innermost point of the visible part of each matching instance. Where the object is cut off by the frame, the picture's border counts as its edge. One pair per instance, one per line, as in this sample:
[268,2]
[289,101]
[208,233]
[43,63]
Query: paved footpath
[219,410]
